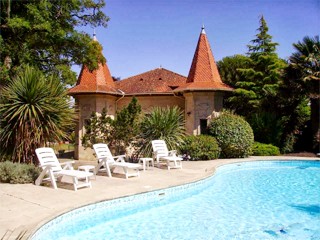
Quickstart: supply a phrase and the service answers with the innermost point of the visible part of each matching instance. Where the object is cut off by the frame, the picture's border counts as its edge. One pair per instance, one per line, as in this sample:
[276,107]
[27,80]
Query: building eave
[204,89]
[94,92]
[149,94]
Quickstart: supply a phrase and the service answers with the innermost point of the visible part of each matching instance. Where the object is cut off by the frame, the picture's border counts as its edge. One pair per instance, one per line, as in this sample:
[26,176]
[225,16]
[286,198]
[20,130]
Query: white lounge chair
[161,153]
[52,168]
[109,162]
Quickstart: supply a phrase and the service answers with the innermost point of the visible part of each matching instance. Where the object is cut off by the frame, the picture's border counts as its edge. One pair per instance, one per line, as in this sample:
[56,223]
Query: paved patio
[25,207]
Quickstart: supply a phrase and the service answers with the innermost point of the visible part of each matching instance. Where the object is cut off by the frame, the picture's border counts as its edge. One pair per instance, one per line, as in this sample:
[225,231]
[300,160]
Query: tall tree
[229,68]
[229,71]
[261,80]
[126,126]
[293,105]
[306,60]
[43,33]
[256,93]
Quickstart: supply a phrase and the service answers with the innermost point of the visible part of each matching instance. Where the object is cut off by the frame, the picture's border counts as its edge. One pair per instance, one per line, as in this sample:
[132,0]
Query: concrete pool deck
[25,207]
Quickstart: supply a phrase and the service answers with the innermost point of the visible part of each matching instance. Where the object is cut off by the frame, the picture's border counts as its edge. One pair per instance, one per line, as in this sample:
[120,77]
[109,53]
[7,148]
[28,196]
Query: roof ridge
[174,72]
[162,68]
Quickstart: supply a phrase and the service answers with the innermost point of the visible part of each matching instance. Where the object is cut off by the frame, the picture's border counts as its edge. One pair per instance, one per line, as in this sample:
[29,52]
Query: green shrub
[162,123]
[34,109]
[267,127]
[262,149]
[234,135]
[202,147]
[18,173]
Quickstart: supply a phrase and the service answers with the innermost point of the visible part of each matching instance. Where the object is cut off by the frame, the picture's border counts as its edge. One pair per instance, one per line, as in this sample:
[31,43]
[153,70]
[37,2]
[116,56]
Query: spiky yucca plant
[162,123]
[34,110]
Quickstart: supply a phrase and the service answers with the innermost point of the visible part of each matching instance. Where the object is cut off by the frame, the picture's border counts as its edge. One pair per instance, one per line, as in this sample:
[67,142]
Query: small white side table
[88,168]
[146,162]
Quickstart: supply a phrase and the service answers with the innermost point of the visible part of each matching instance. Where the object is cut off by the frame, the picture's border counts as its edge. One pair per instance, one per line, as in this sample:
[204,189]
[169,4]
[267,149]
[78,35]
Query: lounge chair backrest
[160,148]
[47,157]
[102,151]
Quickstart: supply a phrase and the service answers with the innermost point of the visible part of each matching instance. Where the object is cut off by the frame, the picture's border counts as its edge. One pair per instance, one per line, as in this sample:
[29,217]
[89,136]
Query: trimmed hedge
[234,135]
[262,149]
[18,173]
[201,147]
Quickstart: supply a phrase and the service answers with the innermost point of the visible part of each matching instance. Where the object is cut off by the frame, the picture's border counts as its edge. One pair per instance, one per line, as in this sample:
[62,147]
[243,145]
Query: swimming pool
[251,200]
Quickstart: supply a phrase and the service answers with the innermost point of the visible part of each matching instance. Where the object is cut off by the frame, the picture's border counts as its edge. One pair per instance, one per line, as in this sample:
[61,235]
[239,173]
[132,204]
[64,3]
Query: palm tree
[306,60]
[34,110]
[162,123]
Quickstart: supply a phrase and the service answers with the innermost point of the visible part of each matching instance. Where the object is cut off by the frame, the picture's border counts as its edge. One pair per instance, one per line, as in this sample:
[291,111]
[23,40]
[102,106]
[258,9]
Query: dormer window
[173,87]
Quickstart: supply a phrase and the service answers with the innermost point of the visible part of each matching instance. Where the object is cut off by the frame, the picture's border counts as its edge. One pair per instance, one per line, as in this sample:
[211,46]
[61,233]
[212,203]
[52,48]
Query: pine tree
[262,44]
[262,78]
[119,133]
[256,93]
[126,126]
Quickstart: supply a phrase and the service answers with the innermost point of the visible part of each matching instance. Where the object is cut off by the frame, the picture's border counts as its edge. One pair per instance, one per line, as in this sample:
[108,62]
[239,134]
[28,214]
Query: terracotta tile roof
[204,73]
[203,86]
[97,81]
[157,81]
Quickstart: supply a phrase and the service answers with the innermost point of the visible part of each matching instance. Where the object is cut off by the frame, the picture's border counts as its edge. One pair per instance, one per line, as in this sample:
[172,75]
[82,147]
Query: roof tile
[204,73]
[97,81]
[156,81]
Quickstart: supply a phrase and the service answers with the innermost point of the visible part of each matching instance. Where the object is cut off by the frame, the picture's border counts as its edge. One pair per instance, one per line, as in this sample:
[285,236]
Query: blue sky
[145,34]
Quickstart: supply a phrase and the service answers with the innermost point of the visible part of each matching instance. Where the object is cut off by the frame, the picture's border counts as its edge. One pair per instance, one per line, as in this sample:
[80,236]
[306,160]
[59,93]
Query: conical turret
[203,74]
[97,81]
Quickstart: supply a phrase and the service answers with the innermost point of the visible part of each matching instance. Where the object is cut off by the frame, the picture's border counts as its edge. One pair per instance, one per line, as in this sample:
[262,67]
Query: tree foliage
[162,123]
[306,62]
[262,149]
[126,126]
[257,88]
[260,81]
[97,129]
[201,147]
[34,110]
[118,133]
[229,68]
[307,59]
[234,135]
[43,33]
[293,108]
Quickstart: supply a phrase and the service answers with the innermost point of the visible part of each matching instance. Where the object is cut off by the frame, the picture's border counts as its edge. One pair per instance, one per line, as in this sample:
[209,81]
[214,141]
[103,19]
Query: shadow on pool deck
[25,207]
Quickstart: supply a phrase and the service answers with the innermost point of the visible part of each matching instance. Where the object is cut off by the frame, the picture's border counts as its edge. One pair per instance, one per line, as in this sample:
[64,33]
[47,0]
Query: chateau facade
[200,95]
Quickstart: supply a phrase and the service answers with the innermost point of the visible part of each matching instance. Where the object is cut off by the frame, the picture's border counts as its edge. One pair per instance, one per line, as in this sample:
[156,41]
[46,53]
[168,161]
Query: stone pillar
[201,106]
[189,113]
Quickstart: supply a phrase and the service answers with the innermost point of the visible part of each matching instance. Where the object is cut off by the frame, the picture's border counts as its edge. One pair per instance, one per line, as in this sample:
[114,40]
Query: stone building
[200,95]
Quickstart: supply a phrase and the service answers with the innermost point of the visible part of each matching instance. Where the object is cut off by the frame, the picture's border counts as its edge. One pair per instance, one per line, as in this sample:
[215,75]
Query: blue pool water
[253,200]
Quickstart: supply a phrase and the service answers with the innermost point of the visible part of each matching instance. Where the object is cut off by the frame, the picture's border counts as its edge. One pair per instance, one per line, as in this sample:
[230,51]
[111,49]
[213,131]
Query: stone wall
[148,102]
[196,106]
[201,106]
[85,105]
